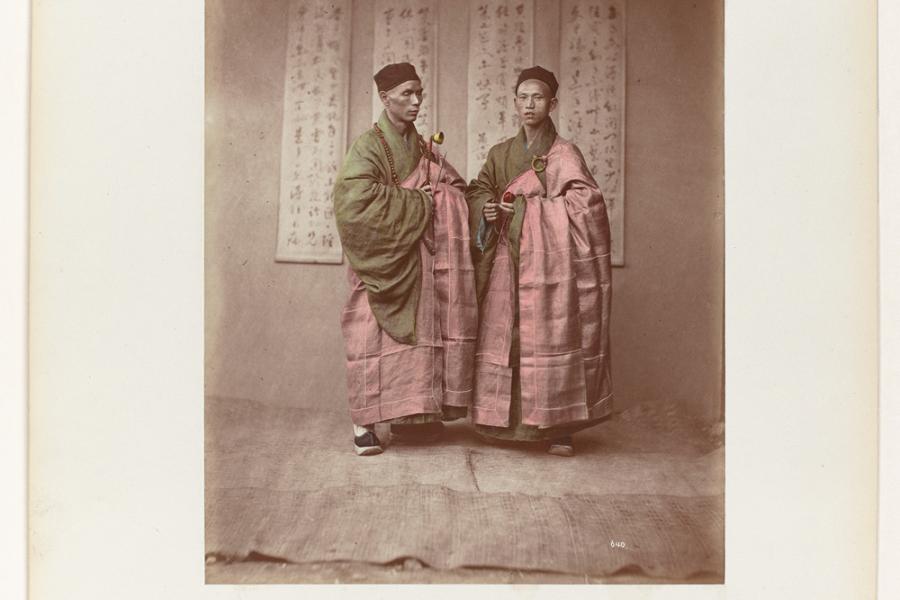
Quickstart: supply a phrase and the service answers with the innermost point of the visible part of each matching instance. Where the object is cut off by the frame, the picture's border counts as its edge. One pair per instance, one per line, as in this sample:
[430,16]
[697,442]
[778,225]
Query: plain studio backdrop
[667,315]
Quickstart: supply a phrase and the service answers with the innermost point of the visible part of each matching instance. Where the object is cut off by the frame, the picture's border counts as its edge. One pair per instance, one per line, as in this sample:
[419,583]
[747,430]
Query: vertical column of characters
[501,43]
[313,131]
[592,70]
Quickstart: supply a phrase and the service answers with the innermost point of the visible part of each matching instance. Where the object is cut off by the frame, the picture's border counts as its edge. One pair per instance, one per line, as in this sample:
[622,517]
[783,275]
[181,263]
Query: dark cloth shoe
[419,433]
[562,446]
[367,444]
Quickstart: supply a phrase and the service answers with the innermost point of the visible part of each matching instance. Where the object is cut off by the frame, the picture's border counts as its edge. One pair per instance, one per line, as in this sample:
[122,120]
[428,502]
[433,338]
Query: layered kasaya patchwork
[544,287]
[410,322]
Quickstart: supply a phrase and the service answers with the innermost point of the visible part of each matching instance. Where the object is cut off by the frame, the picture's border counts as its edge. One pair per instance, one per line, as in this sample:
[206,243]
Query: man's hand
[428,193]
[504,208]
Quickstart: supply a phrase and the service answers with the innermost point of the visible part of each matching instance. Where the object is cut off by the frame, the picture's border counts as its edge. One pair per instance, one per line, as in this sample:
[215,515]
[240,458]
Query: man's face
[403,101]
[533,102]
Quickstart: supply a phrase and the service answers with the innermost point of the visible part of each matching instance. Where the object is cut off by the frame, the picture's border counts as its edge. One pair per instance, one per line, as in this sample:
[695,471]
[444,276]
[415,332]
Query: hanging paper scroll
[501,34]
[406,31]
[313,130]
[592,98]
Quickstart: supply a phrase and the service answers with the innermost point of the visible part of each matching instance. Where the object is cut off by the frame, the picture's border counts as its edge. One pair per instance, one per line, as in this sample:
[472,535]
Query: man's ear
[554,102]
[383,96]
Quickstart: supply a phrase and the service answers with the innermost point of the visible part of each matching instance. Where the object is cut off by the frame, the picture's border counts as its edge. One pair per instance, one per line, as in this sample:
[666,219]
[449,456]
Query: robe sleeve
[481,190]
[585,207]
[380,226]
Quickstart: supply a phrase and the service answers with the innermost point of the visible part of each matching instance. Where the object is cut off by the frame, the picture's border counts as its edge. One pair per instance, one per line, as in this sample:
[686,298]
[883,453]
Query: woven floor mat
[284,483]
[662,536]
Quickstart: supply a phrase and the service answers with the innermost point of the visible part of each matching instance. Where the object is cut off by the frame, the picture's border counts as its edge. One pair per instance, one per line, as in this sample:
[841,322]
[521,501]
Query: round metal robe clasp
[539,163]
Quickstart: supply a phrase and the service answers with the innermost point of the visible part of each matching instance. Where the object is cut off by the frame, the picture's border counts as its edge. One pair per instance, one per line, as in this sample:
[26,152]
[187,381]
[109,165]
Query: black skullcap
[541,74]
[393,75]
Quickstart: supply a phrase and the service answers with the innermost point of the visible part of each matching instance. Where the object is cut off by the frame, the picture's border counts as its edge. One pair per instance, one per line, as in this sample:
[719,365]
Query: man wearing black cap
[541,250]
[411,319]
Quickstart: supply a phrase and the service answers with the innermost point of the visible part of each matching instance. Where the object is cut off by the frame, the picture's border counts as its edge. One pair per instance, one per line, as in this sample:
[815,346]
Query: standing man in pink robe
[410,322]
[541,248]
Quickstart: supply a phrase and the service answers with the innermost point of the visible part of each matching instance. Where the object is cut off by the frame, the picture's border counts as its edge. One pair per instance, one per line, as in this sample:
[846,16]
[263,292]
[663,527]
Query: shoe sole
[561,451]
[368,450]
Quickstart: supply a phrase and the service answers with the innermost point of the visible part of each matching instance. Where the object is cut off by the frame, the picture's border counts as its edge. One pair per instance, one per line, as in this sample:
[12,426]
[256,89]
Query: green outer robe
[506,161]
[380,225]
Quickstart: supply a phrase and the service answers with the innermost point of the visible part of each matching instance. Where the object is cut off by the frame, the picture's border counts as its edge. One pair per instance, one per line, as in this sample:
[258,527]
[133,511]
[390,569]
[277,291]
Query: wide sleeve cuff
[429,208]
[483,233]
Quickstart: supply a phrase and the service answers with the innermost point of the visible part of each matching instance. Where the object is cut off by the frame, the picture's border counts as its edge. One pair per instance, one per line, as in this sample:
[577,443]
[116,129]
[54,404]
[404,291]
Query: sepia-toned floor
[288,501]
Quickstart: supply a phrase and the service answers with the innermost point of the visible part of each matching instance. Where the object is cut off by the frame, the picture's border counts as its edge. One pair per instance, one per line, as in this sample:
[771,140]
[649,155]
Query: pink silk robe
[387,379]
[564,292]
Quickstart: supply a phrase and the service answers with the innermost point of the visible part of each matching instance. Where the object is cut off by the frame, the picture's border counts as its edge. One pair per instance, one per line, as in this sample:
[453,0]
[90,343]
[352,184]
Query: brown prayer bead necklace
[429,245]
[390,155]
